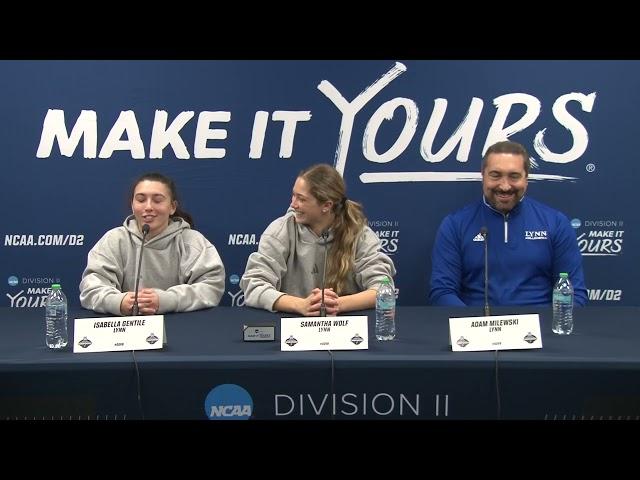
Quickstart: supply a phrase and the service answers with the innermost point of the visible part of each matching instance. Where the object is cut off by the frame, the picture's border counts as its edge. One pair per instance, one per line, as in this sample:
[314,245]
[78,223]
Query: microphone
[485,234]
[323,307]
[145,231]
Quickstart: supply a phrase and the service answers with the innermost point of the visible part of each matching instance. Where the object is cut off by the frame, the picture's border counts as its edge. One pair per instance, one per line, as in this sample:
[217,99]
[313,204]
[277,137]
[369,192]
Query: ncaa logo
[12,281]
[234,279]
[576,223]
[228,402]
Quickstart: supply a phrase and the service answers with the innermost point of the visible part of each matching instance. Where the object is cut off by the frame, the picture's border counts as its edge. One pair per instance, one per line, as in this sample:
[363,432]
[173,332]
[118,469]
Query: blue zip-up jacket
[527,249]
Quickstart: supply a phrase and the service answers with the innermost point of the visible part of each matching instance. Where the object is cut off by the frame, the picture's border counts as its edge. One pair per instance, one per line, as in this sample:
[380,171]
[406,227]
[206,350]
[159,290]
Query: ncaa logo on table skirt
[12,281]
[228,402]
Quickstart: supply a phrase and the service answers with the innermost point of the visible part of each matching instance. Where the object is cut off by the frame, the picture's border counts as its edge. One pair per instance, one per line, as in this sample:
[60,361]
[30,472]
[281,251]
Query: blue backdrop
[408,137]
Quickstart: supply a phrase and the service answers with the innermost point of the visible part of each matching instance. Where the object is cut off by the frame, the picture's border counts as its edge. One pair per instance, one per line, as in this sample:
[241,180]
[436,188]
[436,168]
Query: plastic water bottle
[56,318]
[385,311]
[562,306]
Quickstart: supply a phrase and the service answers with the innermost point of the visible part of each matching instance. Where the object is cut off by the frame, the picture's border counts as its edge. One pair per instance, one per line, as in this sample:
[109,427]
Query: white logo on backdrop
[609,295]
[243,239]
[124,134]
[605,238]
[388,233]
[44,240]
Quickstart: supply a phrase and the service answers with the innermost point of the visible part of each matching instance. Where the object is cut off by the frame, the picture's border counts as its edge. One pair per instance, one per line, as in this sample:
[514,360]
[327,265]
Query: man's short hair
[508,146]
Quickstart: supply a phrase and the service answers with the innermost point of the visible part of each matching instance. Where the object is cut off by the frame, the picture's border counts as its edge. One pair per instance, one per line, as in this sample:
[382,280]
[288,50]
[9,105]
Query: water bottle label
[560,297]
[385,304]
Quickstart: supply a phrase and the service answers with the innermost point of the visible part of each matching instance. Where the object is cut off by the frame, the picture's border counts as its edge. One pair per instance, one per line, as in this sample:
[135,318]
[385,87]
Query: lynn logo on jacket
[535,234]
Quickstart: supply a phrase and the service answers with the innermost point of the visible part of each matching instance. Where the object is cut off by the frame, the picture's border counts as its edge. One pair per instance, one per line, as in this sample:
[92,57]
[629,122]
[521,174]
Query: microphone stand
[323,307]
[135,309]
[484,233]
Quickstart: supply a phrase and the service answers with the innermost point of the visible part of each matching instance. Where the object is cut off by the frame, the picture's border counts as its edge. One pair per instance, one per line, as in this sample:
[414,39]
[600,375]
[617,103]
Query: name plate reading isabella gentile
[114,334]
[324,333]
[506,332]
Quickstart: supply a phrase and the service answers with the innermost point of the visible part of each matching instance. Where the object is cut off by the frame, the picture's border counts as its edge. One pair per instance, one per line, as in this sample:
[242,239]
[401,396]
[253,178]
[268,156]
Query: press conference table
[592,374]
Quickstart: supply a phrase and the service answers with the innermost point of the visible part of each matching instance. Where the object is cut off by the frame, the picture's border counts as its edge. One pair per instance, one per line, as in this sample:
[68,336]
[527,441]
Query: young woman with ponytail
[287,272]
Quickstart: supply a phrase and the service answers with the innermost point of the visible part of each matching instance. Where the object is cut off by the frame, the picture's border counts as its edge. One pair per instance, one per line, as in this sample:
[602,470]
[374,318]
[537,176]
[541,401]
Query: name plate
[259,332]
[324,333]
[113,334]
[505,332]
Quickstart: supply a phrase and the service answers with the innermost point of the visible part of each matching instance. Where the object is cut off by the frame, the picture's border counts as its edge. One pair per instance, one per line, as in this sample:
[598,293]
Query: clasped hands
[311,304]
[148,302]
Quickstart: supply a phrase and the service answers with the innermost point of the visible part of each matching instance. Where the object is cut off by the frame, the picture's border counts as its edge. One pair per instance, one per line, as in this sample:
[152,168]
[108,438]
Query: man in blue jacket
[528,243]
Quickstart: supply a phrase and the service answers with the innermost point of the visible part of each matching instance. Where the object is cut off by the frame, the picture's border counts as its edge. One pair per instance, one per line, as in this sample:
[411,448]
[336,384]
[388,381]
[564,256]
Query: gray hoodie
[180,264]
[290,260]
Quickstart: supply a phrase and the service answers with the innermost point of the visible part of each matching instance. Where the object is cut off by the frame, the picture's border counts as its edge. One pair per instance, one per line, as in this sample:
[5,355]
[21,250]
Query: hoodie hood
[307,235]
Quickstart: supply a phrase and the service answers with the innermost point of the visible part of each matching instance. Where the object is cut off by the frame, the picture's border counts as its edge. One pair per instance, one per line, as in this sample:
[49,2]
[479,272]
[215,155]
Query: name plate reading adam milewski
[113,334]
[324,333]
[506,332]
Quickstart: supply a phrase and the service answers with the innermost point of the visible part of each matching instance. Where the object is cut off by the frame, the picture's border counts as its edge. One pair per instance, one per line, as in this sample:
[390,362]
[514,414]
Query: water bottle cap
[385,279]
[564,275]
[55,286]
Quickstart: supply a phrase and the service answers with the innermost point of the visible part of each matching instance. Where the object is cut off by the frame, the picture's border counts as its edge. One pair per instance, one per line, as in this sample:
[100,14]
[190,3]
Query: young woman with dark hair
[181,271]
